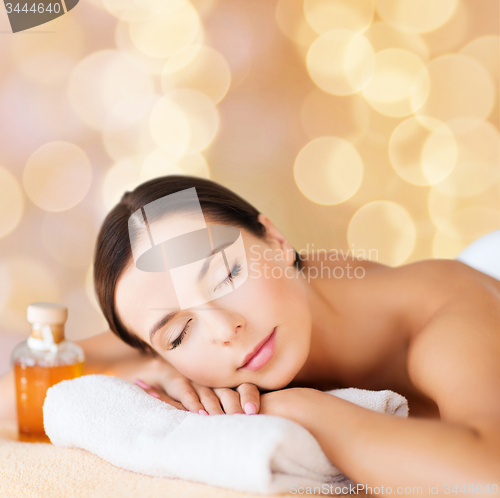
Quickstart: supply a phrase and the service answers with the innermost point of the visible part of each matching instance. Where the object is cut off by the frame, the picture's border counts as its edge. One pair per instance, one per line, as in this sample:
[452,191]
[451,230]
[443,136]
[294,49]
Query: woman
[427,330]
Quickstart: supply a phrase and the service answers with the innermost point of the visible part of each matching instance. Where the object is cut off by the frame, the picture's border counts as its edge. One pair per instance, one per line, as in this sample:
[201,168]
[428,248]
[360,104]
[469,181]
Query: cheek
[199,366]
[284,290]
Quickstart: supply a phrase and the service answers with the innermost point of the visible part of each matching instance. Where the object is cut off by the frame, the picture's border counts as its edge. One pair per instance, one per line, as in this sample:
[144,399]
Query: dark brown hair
[113,251]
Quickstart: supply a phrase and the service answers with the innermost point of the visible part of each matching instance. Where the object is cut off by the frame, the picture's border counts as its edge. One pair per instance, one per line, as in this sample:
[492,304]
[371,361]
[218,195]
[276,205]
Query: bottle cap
[50,313]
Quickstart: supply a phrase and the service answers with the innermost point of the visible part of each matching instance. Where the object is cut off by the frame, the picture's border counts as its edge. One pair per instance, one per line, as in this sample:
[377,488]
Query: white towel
[484,254]
[118,421]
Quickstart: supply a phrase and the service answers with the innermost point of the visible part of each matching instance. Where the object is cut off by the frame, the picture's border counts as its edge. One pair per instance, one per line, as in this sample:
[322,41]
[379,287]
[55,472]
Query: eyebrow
[161,323]
[170,316]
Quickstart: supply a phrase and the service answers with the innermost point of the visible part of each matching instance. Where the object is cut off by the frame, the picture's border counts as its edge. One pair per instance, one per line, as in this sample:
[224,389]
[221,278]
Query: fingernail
[202,412]
[142,384]
[155,395]
[250,408]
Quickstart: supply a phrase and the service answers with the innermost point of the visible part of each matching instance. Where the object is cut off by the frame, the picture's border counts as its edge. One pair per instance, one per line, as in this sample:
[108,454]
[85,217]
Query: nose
[226,333]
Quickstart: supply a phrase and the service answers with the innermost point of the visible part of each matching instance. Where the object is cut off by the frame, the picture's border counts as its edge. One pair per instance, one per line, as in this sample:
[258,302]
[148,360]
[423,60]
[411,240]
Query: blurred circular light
[423,155]
[453,34]
[184,122]
[204,7]
[293,24]
[30,281]
[69,237]
[198,68]
[463,228]
[148,64]
[485,50]
[441,207]
[194,165]
[328,170]
[384,230]
[460,87]
[161,163]
[354,15]
[382,36]
[57,176]
[102,80]
[477,161]
[166,33]
[323,114]
[446,246]
[133,10]
[341,62]
[400,83]
[169,126]
[126,129]
[11,202]
[416,17]
[121,177]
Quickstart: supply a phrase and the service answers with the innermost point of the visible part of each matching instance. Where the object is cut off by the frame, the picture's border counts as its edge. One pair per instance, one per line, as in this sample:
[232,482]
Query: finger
[182,390]
[249,395]
[230,400]
[159,394]
[142,384]
[209,399]
[166,399]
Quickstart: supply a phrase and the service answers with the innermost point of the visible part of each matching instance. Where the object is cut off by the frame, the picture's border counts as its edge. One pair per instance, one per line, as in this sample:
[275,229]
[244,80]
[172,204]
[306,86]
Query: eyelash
[178,341]
[234,272]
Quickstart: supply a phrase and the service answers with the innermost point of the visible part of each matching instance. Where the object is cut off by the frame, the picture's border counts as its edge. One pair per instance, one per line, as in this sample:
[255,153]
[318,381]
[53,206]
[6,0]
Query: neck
[319,368]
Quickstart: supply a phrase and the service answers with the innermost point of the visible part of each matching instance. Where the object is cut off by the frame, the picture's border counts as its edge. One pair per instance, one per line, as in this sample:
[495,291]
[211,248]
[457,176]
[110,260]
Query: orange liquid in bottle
[32,383]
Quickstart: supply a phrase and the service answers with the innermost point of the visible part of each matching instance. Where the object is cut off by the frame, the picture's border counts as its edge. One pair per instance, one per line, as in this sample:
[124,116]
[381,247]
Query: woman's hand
[165,382]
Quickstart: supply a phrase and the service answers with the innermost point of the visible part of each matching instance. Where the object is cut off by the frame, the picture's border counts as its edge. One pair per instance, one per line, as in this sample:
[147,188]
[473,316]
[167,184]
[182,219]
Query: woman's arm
[104,351]
[376,449]
[454,361]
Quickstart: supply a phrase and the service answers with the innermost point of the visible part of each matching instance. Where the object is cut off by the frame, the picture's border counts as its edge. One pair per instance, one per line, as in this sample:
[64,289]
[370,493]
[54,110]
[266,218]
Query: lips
[258,352]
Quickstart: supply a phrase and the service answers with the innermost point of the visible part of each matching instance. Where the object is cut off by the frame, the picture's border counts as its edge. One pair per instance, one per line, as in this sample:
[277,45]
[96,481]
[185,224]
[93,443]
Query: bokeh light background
[352,124]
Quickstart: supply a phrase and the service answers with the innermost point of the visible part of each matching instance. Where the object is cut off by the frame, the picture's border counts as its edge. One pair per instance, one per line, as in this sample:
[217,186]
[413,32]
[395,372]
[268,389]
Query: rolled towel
[118,421]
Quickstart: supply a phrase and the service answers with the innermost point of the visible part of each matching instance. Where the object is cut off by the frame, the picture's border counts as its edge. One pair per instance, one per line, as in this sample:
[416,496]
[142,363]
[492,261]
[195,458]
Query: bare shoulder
[414,291]
[447,274]
[453,357]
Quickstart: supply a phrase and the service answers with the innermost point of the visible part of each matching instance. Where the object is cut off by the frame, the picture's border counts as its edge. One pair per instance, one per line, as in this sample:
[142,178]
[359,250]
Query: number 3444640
[33,8]
[478,489]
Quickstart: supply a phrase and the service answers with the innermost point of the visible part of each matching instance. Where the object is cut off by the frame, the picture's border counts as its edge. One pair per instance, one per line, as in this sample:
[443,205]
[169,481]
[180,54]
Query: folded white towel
[121,423]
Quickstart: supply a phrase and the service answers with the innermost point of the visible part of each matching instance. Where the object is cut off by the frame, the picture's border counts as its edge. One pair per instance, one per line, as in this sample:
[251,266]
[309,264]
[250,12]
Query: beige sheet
[43,470]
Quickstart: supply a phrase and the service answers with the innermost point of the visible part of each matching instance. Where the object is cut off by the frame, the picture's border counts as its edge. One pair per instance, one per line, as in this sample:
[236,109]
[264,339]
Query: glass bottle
[45,359]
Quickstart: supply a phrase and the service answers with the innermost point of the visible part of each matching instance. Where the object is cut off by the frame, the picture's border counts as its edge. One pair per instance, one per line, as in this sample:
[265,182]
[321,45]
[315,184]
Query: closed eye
[178,341]
[234,273]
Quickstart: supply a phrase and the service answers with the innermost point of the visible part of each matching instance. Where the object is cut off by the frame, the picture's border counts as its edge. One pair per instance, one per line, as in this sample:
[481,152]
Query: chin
[280,379]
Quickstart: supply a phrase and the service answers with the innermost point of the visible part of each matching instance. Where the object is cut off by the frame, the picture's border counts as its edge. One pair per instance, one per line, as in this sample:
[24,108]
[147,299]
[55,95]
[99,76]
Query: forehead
[143,298]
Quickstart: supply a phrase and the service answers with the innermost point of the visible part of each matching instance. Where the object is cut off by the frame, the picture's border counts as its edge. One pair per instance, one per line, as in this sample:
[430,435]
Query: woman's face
[220,334]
